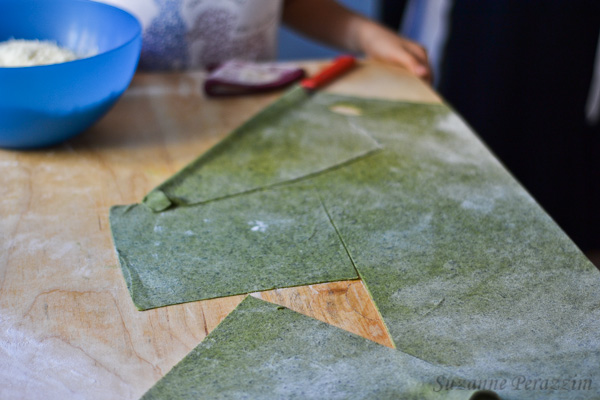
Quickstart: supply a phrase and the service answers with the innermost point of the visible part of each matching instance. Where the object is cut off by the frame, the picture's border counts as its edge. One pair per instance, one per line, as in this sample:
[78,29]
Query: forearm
[333,24]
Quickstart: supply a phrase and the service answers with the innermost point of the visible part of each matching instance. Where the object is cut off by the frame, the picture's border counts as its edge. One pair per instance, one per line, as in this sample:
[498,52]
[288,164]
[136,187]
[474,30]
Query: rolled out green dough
[263,240]
[264,351]
[279,145]
[468,272]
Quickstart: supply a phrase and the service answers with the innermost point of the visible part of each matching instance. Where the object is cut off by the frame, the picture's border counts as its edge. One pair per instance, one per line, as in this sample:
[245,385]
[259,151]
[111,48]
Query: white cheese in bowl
[27,53]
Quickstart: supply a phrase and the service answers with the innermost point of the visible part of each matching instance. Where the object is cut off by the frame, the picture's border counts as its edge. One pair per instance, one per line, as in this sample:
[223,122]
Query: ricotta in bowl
[27,53]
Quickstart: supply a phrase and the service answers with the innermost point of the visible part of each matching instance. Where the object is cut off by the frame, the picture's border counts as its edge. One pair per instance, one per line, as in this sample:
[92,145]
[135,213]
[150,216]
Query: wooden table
[68,328]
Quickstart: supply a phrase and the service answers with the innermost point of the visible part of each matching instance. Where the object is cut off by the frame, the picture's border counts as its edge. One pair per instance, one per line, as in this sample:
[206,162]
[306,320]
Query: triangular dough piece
[265,351]
[280,144]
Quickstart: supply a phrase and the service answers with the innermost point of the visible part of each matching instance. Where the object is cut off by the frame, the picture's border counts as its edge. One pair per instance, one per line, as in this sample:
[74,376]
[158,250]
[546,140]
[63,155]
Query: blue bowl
[45,105]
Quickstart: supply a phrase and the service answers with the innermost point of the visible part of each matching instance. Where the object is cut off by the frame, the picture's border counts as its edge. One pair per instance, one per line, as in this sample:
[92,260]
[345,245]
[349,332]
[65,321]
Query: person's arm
[329,22]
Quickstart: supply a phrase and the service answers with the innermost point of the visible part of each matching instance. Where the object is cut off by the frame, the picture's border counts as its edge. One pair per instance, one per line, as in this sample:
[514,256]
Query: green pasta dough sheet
[264,351]
[269,239]
[467,271]
[279,145]
[465,268]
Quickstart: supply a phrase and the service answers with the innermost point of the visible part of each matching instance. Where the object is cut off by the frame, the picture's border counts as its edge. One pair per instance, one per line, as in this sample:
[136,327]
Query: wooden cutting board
[68,328]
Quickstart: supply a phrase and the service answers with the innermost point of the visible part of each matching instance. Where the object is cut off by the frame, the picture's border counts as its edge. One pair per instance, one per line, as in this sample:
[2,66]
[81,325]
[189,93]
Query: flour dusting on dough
[258,226]
[483,198]
[452,123]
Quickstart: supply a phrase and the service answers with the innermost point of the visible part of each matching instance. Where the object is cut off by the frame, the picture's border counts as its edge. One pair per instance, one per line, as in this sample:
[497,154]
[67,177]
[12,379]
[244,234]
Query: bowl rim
[137,35]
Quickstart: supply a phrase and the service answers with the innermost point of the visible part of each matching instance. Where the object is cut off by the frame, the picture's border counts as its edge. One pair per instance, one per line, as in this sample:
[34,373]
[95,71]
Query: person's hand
[331,23]
[384,45]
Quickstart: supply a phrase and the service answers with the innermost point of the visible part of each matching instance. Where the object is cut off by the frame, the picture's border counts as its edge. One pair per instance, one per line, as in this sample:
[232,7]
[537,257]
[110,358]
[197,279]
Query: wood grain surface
[68,328]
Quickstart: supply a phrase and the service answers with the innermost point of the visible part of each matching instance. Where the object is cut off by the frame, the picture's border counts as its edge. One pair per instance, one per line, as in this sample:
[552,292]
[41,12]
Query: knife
[307,86]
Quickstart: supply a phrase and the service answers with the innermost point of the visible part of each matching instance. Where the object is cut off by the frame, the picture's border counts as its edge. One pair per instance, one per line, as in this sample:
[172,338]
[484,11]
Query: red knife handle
[339,65]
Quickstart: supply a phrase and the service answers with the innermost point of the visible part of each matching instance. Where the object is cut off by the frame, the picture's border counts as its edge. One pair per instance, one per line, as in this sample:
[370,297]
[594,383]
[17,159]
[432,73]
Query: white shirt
[186,34]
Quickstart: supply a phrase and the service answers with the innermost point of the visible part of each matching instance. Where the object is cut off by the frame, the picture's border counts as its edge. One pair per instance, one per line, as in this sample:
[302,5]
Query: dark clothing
[519,71]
